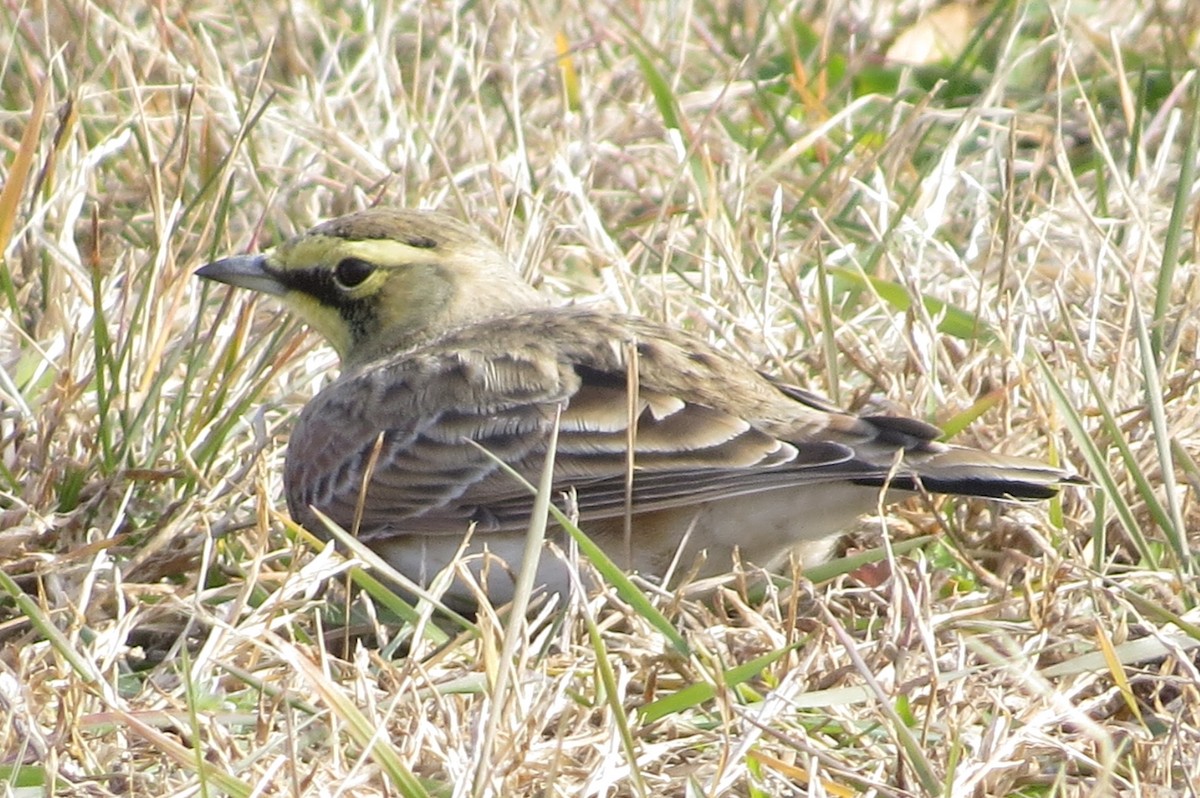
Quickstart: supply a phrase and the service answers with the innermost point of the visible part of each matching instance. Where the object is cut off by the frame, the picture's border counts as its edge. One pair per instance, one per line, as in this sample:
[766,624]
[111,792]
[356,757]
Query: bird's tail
[971,472]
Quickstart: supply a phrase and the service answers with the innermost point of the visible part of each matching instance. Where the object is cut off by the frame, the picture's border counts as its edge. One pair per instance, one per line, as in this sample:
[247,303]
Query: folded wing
[703,428]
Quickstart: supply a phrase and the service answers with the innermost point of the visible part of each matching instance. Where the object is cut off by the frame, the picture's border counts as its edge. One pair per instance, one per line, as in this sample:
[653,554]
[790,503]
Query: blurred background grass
[978,214]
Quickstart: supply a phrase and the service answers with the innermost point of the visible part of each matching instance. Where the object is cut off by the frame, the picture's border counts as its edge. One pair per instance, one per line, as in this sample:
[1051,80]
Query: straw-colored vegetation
[1000,241]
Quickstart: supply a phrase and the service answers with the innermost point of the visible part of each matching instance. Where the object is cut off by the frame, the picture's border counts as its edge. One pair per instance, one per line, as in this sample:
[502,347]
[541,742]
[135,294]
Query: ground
[981,216]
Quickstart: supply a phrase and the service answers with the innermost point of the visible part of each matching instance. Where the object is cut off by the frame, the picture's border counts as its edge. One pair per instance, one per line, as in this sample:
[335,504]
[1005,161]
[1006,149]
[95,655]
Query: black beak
[244,271]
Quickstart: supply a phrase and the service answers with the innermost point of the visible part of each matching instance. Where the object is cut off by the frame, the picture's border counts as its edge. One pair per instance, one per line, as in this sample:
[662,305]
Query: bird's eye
[351,272]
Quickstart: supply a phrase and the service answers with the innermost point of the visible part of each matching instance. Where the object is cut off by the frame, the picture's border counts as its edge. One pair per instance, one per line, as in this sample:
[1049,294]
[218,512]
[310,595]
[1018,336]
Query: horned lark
[451,362]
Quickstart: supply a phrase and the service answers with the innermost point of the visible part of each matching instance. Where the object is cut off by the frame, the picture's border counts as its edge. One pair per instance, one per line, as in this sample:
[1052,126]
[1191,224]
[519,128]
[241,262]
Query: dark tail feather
[970,472]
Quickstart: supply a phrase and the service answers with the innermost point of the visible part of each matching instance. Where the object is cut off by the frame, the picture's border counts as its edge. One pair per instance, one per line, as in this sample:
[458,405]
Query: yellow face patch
[348,290]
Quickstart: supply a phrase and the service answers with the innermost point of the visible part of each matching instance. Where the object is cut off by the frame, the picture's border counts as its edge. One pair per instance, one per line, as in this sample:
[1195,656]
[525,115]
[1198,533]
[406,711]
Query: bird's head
[383,279]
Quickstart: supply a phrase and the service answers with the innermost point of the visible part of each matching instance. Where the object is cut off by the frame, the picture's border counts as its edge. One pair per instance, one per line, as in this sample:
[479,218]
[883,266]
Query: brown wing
[420,409]
[707,427]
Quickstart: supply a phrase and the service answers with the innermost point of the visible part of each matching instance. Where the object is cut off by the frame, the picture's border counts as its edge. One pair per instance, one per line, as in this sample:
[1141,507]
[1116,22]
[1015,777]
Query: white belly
[765,529]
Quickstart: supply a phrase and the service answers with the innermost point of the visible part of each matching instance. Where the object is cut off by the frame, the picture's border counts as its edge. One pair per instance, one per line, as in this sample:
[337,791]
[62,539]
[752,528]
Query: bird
[670,451]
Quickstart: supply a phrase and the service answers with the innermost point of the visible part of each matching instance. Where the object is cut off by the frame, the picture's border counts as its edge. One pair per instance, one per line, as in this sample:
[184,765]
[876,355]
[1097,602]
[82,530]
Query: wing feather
[706,427]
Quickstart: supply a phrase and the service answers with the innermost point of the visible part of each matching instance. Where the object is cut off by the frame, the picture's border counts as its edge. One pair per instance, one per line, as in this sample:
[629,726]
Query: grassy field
[989,225]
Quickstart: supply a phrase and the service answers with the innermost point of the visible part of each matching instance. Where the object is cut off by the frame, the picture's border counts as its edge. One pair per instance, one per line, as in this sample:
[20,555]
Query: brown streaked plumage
[442,343]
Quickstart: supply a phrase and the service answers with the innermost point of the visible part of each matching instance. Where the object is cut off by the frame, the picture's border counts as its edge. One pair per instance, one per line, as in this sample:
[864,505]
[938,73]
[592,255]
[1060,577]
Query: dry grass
[1003,245]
